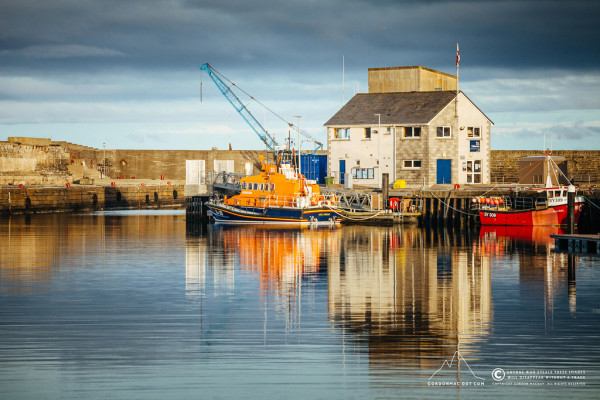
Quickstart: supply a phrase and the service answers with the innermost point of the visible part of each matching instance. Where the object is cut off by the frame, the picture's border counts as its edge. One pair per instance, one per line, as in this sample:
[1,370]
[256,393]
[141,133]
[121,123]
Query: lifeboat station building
[413,126]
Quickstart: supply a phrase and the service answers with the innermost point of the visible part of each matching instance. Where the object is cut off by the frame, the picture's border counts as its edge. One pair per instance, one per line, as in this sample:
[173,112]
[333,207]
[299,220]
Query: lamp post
[104,163]
[378,142]
[299,158]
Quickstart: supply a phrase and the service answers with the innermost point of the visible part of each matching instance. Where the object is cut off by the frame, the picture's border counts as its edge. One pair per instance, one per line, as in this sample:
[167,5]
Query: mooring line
[449,206]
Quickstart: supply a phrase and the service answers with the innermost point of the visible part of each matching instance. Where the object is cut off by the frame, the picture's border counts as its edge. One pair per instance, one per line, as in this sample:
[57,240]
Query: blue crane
[246,114]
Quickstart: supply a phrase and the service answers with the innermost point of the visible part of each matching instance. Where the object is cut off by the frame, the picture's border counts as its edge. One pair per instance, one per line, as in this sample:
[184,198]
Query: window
[367,133]
[412,164]
[443,132]
[363,173]
[341,133]
[412,132]
[474,132]
[261,187]
[389,130]
[244,186]
[474,171]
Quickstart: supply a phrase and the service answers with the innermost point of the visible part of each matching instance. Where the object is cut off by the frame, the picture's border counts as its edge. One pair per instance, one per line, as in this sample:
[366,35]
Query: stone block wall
[89,198]
[32,164]
[583,165]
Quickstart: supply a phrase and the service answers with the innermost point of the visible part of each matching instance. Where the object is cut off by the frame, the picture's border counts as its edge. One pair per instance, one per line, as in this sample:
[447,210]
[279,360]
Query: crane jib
[262,133]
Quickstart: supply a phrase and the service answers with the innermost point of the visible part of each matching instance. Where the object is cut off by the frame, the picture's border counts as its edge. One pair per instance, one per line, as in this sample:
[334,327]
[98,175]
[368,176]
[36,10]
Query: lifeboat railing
[326,200]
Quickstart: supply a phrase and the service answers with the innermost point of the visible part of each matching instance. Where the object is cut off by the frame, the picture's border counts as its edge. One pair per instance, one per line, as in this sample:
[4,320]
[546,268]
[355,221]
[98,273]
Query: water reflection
[285,261]
[543,272]
[409,303]
[130,301]
[35,248]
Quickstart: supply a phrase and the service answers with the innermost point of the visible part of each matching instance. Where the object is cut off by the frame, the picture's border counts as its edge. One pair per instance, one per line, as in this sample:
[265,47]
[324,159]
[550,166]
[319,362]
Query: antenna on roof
[343,97]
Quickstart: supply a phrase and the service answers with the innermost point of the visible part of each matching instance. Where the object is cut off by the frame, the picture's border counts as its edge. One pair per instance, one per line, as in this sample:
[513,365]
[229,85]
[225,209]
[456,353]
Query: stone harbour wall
[583,165]
[90,198]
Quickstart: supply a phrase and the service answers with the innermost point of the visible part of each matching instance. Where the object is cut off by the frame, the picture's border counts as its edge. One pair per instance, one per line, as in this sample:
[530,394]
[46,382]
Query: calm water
[126,305]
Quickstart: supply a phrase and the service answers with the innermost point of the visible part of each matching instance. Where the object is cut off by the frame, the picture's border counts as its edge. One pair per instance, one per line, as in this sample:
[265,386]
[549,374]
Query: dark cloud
[299,35]
[104,60]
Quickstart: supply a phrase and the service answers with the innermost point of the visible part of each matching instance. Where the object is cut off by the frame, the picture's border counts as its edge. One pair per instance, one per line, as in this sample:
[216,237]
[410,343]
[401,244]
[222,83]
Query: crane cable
[291,125]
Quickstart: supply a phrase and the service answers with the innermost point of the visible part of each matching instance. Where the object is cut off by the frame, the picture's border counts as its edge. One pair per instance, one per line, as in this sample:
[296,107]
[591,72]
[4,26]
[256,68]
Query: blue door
[444,171]
[342,171]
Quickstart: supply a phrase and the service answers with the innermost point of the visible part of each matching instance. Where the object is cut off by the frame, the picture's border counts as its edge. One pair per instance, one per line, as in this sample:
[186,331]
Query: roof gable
[394,108]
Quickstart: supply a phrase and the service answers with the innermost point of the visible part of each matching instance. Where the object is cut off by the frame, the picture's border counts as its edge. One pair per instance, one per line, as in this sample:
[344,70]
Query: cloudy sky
[126,72]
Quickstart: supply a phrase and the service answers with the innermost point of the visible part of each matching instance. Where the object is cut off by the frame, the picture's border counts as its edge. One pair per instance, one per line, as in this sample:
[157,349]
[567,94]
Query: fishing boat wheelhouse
[533,207]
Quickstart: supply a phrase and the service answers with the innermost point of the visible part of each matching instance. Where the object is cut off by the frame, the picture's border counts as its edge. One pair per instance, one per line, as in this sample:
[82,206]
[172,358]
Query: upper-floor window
[412,132]
[474,132]
[341,133]
[367,133]
[412,164]
[443,132]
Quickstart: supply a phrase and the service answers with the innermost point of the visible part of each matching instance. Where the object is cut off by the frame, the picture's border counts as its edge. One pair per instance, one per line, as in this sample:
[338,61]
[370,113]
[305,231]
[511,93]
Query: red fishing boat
[545,206]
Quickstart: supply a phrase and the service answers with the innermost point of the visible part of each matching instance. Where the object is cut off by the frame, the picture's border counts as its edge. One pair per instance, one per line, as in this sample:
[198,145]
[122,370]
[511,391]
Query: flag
[457,55]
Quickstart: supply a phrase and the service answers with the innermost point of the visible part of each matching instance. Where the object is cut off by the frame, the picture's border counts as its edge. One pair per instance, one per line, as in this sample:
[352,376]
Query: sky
[126,73]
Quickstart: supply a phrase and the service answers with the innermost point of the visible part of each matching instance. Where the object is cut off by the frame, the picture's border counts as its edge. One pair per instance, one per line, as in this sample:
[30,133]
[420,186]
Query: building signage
[475,145]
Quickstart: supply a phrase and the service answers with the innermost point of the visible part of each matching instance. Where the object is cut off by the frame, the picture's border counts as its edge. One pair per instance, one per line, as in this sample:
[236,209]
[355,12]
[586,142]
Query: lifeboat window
[261,187]
[255,186]
[564,193]
[272,187]
[243,185]
[557,193]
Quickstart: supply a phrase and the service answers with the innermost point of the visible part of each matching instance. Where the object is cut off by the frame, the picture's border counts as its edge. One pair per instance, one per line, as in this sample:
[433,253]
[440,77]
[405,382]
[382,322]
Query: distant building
[410,127]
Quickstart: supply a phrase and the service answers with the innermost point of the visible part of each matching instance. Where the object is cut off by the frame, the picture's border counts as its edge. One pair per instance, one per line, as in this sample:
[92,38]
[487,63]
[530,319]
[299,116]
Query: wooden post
[385,183]
[571,210]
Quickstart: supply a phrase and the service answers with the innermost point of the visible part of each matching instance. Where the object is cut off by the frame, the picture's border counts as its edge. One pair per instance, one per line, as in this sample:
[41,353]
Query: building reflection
[411,299]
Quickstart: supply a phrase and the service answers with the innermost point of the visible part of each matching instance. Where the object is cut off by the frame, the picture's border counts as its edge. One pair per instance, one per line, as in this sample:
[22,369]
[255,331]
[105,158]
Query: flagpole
[457,62]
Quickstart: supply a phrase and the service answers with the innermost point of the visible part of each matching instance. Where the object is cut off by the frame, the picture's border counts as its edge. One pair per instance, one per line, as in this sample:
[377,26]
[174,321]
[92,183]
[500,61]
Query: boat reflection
[541,270]
[279,257]
[409,303]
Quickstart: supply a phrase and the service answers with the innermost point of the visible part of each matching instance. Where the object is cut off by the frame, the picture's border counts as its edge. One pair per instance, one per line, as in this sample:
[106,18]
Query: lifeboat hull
[227,214]
[550,216]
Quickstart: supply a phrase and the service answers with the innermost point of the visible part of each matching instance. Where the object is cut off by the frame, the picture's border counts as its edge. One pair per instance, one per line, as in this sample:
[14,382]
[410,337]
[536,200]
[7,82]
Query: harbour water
[129,305]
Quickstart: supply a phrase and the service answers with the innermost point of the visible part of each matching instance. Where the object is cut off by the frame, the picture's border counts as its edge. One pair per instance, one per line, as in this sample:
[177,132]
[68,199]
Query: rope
[559,170]
[449,206]
[591,202]
[354,219]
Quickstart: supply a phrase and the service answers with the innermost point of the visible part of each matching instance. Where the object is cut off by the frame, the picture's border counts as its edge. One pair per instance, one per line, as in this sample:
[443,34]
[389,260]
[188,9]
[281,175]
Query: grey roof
[395,108]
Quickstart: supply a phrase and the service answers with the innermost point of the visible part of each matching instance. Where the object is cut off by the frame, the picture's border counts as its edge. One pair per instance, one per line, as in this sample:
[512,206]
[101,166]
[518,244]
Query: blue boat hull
[272,215]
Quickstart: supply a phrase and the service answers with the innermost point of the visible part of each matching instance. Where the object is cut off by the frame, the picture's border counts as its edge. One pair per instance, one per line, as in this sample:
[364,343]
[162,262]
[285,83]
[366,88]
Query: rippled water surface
[127,305]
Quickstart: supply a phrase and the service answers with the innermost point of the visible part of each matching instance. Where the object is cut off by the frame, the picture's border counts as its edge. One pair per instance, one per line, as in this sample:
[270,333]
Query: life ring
[333,200]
